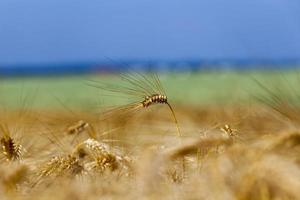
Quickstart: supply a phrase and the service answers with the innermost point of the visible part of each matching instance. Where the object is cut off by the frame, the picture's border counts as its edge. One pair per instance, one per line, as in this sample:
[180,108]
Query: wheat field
[233,151]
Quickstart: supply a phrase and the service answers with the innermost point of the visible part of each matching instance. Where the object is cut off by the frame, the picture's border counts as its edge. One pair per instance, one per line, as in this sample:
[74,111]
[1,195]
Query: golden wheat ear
[10,148]
[147,90]
[102,156]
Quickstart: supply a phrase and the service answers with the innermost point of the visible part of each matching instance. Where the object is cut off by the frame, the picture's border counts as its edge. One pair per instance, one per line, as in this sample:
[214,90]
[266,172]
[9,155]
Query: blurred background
[201,48]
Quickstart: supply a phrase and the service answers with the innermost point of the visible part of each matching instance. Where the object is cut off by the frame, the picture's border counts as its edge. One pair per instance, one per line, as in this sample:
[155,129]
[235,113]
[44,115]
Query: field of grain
[240,141]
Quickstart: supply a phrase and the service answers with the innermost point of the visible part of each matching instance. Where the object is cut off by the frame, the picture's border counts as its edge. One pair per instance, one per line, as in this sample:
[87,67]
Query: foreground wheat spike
[10,149]
[147,88]
[61,165]
[103,156]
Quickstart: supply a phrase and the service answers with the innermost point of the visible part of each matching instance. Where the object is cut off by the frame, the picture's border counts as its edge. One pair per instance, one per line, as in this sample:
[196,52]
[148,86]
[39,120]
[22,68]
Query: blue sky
[60,31]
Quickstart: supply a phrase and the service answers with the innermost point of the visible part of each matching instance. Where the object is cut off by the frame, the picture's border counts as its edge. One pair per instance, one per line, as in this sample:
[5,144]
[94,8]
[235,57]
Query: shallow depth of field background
[184,88]
[222,64]
[202,48]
